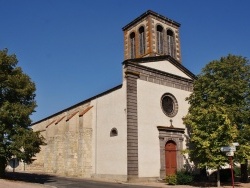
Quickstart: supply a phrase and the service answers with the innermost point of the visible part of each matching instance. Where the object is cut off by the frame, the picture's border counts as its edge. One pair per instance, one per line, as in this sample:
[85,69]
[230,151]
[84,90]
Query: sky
[73,49]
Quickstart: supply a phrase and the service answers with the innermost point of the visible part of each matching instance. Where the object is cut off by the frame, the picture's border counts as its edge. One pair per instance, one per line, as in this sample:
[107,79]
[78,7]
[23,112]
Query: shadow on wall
[204,174]
[200,174]
[189,166]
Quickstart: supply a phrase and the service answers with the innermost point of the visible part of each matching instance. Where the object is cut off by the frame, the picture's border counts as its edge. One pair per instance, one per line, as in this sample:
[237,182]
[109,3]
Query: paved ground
[27,180]
[19,184]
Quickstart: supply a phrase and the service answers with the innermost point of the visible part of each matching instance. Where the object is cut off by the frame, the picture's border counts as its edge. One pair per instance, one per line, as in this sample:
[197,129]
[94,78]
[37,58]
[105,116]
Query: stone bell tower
[151,34]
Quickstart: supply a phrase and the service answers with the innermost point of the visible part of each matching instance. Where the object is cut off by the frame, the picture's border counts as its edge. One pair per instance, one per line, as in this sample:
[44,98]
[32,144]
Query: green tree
[17,102]
[219,112]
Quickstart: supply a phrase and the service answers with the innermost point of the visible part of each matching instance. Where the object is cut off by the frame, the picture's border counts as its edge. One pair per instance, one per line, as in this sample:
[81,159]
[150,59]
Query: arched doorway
[170,157]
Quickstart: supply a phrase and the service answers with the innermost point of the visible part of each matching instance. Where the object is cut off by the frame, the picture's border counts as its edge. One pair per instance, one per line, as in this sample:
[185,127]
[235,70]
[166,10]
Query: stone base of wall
[124,178]
[110,177]
[101,177]
[142,179]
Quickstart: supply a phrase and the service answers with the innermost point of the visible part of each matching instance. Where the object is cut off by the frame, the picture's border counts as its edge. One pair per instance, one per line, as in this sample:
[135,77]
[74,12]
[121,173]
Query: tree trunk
[218,177]
[3,163]
[244,173]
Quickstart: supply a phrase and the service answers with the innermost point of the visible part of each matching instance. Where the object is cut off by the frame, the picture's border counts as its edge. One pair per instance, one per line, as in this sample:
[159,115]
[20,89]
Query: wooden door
[170,158]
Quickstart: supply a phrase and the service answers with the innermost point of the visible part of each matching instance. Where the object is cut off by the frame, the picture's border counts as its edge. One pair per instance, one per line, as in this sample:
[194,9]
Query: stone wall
[69,144]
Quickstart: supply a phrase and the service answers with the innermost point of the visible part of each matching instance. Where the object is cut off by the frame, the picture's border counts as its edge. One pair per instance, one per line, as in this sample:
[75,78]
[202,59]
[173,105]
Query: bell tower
[151,34]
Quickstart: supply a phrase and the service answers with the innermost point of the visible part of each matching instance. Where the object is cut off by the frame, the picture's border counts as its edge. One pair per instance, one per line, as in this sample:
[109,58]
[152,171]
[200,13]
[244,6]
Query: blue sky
[73,49]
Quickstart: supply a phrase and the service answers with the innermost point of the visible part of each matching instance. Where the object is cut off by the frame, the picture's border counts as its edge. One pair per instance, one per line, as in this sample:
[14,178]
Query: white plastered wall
[110,153]
[150,115]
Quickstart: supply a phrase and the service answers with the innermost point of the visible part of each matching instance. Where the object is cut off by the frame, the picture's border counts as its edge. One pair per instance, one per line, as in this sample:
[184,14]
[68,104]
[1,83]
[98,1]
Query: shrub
[184,178]
[171,179]
[225,175]
[180,178]
[237,171]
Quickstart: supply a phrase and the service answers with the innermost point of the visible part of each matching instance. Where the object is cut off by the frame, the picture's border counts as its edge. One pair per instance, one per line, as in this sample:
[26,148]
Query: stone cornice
[133,73]
[159,77]
[143,69]
[150,12]
[170,129]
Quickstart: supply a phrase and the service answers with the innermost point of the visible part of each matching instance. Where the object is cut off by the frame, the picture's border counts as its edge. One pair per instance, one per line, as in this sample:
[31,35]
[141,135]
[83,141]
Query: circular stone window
[169,105]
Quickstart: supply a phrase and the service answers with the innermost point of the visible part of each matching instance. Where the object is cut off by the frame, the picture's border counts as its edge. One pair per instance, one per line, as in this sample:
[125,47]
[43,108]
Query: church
[135,130]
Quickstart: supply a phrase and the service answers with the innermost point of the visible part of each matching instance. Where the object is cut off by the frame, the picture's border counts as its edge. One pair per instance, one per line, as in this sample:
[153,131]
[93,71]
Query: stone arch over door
[174,136]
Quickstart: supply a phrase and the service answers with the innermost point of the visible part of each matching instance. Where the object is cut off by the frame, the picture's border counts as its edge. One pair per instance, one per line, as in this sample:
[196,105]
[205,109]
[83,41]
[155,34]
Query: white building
[135,130]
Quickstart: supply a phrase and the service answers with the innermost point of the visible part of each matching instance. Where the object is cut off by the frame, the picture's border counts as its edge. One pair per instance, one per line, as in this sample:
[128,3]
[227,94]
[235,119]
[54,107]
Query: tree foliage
[17,102]
[219,112]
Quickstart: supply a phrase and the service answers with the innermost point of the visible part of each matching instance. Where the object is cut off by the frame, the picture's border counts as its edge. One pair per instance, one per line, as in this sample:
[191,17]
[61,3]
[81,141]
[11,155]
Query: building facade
[133,131]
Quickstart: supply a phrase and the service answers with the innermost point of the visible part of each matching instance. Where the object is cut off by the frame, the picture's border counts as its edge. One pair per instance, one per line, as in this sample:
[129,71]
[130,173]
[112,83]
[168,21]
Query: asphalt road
[62,182]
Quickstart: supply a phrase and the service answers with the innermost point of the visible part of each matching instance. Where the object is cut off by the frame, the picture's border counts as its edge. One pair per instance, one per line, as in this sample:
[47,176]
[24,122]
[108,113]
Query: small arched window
[113,132]
[132,45]
[142,40]
[170,43]
[159,31]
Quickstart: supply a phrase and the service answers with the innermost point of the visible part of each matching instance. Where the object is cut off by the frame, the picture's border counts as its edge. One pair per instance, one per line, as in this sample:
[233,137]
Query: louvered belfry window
[170,43]
[132,45]
[142,40]
[159,39]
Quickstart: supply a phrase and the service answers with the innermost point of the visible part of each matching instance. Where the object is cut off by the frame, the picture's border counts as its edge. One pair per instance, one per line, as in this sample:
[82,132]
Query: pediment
[166,66]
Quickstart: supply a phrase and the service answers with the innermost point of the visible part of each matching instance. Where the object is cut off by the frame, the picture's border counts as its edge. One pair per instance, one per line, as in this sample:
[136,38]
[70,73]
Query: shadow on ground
[227,183]
[214,184]
[47,178]
[29,177]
